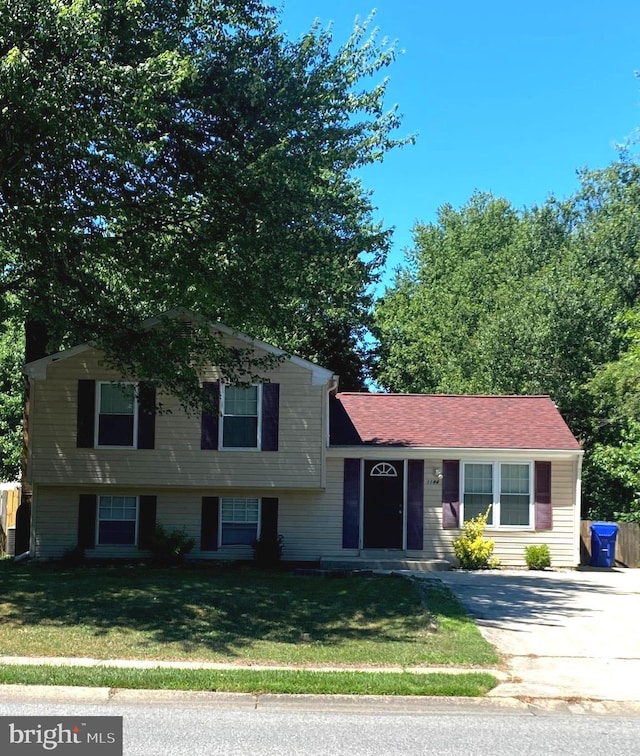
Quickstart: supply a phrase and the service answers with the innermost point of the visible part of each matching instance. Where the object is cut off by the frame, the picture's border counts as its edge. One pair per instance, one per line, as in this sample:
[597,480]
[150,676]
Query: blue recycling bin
[603,544]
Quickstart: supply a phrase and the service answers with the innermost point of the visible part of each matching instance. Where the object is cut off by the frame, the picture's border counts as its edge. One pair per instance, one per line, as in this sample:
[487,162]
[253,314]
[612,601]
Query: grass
[472,684]
[233,614]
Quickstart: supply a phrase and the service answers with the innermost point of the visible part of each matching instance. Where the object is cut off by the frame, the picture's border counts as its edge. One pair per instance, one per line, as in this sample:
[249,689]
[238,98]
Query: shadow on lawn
[222,610]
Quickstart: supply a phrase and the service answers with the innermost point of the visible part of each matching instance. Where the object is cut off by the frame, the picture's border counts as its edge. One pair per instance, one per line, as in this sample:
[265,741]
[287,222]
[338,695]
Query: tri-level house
[345,478]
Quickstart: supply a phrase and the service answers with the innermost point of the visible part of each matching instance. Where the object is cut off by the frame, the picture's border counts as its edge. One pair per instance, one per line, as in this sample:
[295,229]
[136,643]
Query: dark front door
[383,504]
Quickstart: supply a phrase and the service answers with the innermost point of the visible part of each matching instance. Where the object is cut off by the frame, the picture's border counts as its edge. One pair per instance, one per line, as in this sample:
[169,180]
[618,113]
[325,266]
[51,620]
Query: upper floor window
[240,417]
[113,415]
[117,415]
[240,414]
[505,487]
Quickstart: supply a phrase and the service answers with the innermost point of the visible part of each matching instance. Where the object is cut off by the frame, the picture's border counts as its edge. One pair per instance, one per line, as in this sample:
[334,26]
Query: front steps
[384,561]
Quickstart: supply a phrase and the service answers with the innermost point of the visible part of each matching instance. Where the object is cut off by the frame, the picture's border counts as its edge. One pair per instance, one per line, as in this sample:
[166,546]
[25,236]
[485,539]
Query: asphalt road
[156,729]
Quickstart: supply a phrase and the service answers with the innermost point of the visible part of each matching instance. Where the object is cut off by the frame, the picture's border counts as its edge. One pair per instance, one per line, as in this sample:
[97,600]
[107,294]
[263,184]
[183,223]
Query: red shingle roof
[442,421]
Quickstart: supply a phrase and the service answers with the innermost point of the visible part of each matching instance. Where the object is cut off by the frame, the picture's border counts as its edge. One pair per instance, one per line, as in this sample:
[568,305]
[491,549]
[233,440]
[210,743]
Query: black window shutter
[542,496]
[270,416]
[146,521]
[86,414]
[87,512]
[269,519]
[415,504]
[451,493]
[146,416]
[209,523]
[210,416]
[351,504]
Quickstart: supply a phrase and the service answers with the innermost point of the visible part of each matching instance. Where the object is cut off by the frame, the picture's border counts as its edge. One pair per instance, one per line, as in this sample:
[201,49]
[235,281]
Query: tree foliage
[495,301]
[11,398]
[160,154]
[613,475]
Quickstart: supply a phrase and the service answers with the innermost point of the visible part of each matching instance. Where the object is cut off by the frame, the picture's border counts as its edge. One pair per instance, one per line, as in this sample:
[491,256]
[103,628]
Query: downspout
[332,388]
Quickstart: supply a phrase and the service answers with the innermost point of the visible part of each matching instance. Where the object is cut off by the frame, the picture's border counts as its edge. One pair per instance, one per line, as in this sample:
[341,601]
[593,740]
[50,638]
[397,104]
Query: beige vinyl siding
[561,540]
[310,522]
[301,522]
[177,458]
[438,543]
[312,525]
[510,544]
[54,513]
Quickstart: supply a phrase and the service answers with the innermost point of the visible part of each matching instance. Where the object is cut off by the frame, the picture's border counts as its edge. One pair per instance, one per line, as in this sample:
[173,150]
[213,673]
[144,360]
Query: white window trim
[258,447]
[495,508]
[97,534]
[221,522]
[96,422]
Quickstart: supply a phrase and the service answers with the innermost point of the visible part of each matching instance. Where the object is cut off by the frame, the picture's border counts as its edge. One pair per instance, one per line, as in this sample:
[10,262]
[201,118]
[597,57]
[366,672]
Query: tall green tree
[157,154]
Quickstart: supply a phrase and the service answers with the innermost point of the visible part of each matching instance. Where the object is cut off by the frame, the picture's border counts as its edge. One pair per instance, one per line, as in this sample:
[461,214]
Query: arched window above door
[383,470]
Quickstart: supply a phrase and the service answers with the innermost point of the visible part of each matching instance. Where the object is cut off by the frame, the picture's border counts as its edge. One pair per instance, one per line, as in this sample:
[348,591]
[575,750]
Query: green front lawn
[233,614]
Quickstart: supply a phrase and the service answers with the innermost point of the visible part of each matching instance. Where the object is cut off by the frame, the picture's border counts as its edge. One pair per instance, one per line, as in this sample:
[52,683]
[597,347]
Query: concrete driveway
[563,634]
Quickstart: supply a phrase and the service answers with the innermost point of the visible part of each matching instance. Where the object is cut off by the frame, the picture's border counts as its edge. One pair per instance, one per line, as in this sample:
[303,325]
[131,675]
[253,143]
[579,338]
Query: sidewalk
[72,661]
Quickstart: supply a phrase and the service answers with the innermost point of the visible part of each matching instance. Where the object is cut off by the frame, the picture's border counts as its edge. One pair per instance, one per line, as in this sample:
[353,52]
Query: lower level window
[515,497]
[503,489]
[117,520]
[239,520]
[478,490]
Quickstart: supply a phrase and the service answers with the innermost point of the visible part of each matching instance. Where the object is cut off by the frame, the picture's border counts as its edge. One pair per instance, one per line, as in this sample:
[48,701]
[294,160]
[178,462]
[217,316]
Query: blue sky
[504,96]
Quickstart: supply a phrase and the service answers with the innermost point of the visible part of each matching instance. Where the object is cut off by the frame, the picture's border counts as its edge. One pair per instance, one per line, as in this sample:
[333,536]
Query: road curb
[68,693]
[428,705]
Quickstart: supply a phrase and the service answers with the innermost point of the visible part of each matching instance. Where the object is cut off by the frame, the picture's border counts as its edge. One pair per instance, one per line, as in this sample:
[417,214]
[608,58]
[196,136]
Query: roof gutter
[451,452]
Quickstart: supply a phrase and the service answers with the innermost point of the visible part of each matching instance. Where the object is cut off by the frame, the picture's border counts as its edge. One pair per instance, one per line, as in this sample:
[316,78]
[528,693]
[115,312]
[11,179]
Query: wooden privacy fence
[9,502]
[627,544]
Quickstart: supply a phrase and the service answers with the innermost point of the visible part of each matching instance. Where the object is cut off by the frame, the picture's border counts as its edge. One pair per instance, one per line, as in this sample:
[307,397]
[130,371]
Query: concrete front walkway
[564,634]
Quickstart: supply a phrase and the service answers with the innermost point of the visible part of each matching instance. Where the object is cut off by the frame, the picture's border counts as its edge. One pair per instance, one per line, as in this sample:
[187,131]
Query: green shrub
[73,557]
[475,552]
[170,547]
[267,552]
[537,557]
